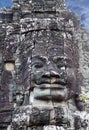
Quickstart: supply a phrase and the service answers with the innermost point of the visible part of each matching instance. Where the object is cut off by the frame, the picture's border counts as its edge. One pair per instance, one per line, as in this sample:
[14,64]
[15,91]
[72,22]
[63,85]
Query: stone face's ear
[80,103]
[18,98]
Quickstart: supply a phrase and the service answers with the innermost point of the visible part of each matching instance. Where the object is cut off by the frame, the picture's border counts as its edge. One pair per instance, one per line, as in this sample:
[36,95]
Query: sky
[81,7]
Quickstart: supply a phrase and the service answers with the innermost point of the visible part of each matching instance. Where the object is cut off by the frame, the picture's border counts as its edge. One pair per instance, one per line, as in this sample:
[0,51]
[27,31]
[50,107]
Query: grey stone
[44,67]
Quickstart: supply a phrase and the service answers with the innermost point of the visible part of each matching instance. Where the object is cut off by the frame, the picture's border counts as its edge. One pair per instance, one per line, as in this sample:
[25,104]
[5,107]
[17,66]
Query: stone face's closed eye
[38,62]
[38,65]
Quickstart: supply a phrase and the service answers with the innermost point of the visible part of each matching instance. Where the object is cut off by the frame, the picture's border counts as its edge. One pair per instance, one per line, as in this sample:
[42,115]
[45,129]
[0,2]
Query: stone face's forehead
[39,50]
[50,37]
[49,43]
[55,50]
[54,44]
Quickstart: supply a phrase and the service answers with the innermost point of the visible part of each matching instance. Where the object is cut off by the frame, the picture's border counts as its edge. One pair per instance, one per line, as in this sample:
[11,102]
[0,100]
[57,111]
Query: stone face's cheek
[71,79]
[42,94]
[59,95]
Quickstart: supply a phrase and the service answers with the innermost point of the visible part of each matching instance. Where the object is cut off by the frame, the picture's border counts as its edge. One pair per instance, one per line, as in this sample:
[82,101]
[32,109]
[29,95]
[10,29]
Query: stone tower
[39,67]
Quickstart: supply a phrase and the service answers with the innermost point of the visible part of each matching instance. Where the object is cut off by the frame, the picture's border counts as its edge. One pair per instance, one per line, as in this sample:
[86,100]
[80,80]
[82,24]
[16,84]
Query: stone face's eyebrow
[58,58]
[42,58]
[66,60]
[62,57]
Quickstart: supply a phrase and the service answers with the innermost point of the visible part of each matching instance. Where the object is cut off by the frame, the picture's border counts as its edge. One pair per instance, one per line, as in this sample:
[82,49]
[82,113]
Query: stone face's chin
[54,92]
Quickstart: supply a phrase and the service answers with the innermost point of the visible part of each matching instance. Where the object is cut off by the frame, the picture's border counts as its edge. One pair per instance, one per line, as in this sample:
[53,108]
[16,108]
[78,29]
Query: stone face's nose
[54,74]
[50,74]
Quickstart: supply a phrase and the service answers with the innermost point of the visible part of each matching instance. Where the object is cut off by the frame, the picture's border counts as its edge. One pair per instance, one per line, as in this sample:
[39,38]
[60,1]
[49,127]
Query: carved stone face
[49,78]
[49,74]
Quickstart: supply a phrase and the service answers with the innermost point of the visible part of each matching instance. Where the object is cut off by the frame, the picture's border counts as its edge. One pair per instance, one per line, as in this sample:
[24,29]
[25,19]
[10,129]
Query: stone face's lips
[51,86]
[51,82]
[50,89]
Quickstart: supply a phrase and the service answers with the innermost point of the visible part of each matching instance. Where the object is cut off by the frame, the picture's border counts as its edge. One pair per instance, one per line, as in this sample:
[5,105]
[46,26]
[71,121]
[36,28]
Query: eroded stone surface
[43,58]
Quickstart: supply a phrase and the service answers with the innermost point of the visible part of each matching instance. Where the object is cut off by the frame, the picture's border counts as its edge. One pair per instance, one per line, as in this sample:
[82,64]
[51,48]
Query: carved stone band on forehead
[44,24]
[29,24]
[26,31]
